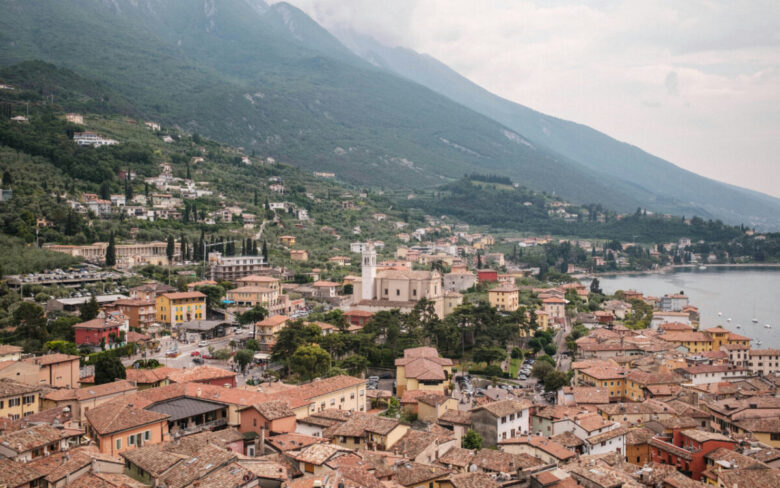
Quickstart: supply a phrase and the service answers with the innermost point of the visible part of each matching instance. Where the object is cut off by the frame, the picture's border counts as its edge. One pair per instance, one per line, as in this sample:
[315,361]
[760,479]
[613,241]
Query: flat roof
[182,408]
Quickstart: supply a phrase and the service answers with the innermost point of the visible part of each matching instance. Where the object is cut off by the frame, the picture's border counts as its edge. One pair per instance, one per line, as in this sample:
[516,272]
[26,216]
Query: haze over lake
[732,291]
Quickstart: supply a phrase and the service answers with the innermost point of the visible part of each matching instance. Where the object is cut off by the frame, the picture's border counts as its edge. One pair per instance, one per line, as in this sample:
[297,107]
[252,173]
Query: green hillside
[270,79]
[652,182]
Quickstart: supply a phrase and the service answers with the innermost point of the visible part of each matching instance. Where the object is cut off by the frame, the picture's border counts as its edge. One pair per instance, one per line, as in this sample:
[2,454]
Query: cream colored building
[421,368]
[18,400]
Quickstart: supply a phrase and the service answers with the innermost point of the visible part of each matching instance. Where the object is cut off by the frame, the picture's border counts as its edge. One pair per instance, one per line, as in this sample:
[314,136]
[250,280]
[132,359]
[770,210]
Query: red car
[207,356]
[195,353]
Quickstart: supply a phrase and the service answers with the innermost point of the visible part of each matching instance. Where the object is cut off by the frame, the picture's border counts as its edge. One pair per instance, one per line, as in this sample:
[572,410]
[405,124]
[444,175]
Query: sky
[694,82]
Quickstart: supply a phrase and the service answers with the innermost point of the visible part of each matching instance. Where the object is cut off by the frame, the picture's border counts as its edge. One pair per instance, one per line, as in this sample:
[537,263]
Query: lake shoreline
[676,267]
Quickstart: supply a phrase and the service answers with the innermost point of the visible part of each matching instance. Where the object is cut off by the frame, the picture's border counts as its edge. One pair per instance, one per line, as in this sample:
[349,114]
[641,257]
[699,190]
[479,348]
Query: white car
[202,344]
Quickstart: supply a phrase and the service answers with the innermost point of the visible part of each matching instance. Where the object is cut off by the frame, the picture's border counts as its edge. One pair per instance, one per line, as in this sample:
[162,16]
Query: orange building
[275,417]
[118,428]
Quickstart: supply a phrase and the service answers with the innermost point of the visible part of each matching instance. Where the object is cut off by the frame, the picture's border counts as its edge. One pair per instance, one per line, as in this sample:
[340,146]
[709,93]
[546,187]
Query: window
[774,436]
[397,292]
[28,399]
[414,292]
[118,444]
[130,440]
[147,435]
[14,402]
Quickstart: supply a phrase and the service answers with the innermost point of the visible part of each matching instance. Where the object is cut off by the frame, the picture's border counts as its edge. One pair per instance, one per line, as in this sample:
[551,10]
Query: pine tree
[189,175]
[170,248]
[128,187]
[265,252]
[254,248]
[255,198]
[111,251]
[183,247]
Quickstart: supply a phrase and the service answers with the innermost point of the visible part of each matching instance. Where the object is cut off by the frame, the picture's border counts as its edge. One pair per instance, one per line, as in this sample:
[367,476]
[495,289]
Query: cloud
[695,82]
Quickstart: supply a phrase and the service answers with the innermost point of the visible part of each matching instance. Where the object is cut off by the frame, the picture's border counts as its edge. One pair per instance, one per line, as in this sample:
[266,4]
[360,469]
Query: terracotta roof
[323,283]
[568,439]
[590,394]
[97,323]
[9,349]
[639,436]
[550,447]
[602,373]
[207,460]
[412,474]
[14,473]
[504,462]
[473,480]
[610,434]
[148,376]
[108,418]
[318,454]
[274,410]
[292,441]
[683,336]
[273,321]
[184,295]
[703,436]
[27,439]
[95,391]
[200,373]
[592,421]
[424,369]
[751,476]
[51,359]
[10,387]
[765,352]
[460,417]
[504,407]
[457,456]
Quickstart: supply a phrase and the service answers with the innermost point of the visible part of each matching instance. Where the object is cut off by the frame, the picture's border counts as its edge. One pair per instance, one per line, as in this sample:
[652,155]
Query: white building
[608,442]
[501,420]
[92,139]
[764,361]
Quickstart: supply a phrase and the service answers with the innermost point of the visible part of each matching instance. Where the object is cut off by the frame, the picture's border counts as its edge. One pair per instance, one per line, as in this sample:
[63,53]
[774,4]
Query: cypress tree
[265,251]
[111,251]
[170,248]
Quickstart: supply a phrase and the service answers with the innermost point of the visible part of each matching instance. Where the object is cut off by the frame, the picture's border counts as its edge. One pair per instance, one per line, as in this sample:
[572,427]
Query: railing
[204,426]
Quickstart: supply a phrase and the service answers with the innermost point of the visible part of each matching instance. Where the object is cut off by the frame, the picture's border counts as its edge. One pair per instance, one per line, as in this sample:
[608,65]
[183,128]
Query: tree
[265,251]
[109,368]
[550,349]
[111,251]
[252,345]
[310,361]
[243,358]
[355,365]
[541,369]
[252,316]
[595,287]
[554,380]
[89,309]
[489,355]
[170,248]
[146,363]
[105,190]
[62,347]
[471,440]
[393,408]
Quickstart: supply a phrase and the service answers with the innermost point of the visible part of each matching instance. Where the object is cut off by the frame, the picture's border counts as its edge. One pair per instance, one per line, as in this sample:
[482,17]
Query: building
[81,400]
[505,298]
[422,368]
[673,303]
[381,290]
[693,341]
[208,375]
[299,255]
[35,442]
[686,450]
[118,428]
[18,400]
[268,329]
[178,307]
[357,318]
[611,441]
[712,373]
[98,333]
[275,417]
[127,255]
[487,275]
[460,280]
[502,420]
[763,361]
[231,268]
[57,370]
[547,450]
[10,353]
[92,139]
[554,307]
[140,313]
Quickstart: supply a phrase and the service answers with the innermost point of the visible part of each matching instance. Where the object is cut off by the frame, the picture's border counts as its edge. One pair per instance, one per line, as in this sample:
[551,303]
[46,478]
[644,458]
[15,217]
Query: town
[387,377]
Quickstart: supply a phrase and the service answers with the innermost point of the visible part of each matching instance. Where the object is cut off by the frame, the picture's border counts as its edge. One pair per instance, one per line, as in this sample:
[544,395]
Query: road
[563,361]
[184,358]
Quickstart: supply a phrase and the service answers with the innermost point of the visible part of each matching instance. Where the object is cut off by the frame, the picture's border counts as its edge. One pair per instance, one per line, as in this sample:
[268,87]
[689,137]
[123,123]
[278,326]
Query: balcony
[212,425]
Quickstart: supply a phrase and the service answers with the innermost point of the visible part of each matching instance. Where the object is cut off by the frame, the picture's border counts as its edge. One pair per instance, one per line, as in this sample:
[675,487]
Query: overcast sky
[694,82]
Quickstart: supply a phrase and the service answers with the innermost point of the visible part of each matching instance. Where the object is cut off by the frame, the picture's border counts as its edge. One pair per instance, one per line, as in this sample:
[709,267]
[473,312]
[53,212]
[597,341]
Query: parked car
[207,356]
[202,344]
[171,354]
[197,360]
[195,353]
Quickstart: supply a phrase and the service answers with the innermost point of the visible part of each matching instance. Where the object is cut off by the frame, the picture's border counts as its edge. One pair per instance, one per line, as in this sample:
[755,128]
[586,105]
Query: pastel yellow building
[612,379]
[694,341]
[505,298]
[421,368]
[18,400]
[175,308]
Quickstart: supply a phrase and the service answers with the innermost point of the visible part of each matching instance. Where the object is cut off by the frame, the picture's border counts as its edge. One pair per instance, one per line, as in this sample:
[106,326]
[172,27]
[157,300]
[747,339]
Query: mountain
[655,183]
[270,79]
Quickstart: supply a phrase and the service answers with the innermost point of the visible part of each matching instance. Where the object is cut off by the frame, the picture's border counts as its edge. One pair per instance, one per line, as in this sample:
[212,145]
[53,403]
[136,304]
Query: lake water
[735,292]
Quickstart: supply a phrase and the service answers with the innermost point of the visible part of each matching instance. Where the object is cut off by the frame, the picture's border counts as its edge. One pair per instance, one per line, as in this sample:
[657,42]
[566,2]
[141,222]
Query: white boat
[755,320]
[758,343]
[728,319]
[768,326]
[739,326]
[720,314]
[702,267]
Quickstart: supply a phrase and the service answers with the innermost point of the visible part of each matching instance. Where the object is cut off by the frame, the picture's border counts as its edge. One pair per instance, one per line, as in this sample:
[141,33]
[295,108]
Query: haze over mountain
[271,79]
[656,183]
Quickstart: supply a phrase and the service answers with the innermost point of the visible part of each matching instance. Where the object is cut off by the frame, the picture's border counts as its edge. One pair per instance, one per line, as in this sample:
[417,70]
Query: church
[392,288]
